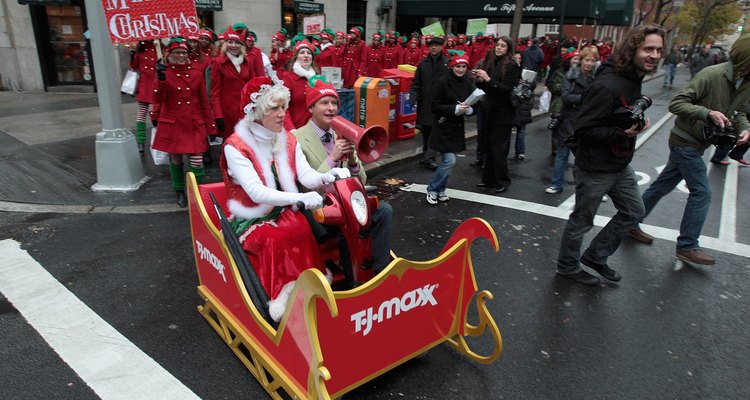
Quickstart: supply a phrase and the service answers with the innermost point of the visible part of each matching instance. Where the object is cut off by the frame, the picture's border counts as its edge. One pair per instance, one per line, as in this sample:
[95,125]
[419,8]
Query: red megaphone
[370,142]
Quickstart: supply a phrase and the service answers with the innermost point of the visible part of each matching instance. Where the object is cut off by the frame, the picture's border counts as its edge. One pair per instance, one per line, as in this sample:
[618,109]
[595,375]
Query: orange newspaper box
[402,118]
[371,102]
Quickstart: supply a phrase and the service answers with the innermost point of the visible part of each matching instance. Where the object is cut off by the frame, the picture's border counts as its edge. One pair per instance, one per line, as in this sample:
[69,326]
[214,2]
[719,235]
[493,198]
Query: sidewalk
[47,155]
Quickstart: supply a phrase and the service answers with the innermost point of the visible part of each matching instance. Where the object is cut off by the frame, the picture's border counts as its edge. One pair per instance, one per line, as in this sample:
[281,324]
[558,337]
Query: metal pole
[118,165]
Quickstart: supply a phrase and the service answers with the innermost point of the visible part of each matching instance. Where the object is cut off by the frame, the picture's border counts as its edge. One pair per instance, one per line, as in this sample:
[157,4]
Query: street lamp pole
[118,165]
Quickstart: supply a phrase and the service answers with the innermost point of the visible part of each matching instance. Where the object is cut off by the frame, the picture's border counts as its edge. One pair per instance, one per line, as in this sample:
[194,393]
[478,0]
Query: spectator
[533,56]
[430,70]
[183,115]
[448,134]
[701,60]
[523,117]
[670,66]
[498,78]
[604,151]
[714,94]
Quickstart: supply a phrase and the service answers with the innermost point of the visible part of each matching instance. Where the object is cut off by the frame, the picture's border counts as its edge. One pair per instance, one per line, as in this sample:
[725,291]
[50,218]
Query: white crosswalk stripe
[109,363]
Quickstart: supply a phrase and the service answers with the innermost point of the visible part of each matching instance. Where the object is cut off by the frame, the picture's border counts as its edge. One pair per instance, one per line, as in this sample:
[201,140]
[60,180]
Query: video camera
[723,138]
[625,117]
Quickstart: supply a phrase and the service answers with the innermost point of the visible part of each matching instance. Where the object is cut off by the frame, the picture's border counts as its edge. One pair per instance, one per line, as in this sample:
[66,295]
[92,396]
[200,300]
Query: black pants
[495,172]
[428,153]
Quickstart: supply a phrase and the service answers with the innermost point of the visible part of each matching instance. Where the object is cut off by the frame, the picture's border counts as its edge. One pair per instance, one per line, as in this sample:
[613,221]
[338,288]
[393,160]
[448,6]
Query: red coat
[226,86]
[279,58]
[394,55]
[256,60]
[375,60]
[353,62]
[182,111]
[328,57]
[144,63]
[413,56]
[297,112]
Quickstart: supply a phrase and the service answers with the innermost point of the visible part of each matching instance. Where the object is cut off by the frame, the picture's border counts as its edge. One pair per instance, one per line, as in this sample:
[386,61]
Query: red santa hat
[567,56]
[280,35]
[340,34]
[458,59]
[357,31]
[318,89]
[231,34]
[177,43]
[254,90]
[304,44]
[325,35]
[208,33]
[377,36]
[193,37]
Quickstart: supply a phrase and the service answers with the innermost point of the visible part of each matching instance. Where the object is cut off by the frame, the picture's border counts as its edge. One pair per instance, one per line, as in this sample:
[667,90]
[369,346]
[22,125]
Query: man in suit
[324,150]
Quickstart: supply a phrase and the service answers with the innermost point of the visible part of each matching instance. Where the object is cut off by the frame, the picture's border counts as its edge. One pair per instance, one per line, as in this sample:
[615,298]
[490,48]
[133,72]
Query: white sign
[313,24]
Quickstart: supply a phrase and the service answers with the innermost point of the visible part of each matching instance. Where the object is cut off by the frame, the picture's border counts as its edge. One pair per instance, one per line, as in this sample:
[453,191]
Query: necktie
[327,137]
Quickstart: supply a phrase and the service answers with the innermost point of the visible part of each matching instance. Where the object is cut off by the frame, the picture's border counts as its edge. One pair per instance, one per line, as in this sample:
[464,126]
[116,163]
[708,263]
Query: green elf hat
[251,33]
[239,27]
[456,52]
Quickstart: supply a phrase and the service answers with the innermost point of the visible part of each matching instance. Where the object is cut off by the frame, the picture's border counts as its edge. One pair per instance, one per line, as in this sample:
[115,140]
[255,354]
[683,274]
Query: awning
[548,11]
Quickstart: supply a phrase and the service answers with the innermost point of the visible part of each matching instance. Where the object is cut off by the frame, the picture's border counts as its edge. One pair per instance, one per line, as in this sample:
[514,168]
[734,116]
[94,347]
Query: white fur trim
[239,210]
[324,46]
[300,71]
[277,306]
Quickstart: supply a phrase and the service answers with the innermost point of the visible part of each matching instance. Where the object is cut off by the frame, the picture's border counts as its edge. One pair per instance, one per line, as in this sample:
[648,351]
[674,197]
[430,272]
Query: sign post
[118,165]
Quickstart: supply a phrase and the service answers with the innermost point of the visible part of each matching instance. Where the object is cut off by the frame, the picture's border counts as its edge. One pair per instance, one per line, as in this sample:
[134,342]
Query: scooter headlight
[359,206]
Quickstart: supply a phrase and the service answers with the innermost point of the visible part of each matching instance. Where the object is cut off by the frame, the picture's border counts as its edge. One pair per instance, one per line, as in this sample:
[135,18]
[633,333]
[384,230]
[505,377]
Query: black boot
[181,199]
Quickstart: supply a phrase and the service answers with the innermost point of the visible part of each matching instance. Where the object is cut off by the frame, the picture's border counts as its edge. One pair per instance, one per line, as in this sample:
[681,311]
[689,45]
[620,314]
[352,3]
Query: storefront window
[69,50]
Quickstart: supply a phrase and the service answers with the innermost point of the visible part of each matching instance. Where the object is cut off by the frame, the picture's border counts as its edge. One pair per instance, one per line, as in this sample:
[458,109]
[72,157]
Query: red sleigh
[330,342]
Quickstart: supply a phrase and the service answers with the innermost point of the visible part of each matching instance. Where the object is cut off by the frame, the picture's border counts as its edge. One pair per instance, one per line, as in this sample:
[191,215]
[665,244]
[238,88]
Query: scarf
[302,72]
[236,61]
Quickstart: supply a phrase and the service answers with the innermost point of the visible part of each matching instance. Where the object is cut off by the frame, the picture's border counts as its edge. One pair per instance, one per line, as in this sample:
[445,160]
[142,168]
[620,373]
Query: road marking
[570,201]
[109,363]
[556,212]
[727,227]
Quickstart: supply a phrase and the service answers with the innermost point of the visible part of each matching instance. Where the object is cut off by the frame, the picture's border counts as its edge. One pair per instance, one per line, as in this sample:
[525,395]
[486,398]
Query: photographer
[711,97]
[604,148]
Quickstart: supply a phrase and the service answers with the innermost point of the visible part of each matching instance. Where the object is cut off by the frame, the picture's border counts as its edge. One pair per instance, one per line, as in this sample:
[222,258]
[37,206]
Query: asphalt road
[666,331]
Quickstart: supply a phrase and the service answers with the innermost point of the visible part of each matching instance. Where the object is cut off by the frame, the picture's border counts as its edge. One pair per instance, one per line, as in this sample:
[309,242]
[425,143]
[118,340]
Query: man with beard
[604,149]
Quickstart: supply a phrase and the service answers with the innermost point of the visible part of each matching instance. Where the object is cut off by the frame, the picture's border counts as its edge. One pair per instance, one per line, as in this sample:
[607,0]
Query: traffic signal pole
[118,164]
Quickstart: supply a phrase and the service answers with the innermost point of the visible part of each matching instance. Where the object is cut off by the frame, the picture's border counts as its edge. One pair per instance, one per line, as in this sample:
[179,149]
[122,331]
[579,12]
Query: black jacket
[448,128]
[573,85]
[429,70]
[496,104]
[601,147]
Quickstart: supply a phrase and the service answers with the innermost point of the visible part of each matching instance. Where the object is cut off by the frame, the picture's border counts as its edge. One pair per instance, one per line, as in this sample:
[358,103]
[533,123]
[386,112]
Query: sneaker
[722,162]
[553,190]
[500,188]
[696,256]
[442,197]
[521,157]
[432,198]
[641,236]
[742,161]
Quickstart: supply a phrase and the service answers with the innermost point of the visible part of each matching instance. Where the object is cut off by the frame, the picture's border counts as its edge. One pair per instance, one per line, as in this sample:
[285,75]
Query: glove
[161,70]
[153,123]
[220,124]
[311,200]
[334,173]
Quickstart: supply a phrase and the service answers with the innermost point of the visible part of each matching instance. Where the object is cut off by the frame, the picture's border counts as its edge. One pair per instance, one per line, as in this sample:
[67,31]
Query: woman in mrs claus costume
[262,164]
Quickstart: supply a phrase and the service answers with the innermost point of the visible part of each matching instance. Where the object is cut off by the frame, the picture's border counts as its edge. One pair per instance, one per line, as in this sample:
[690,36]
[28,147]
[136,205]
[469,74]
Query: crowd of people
[274,112]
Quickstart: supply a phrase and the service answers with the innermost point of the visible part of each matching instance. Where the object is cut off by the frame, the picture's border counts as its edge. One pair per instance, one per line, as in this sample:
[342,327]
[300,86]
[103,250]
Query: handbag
[160,157]
[129,82]
[544,101]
